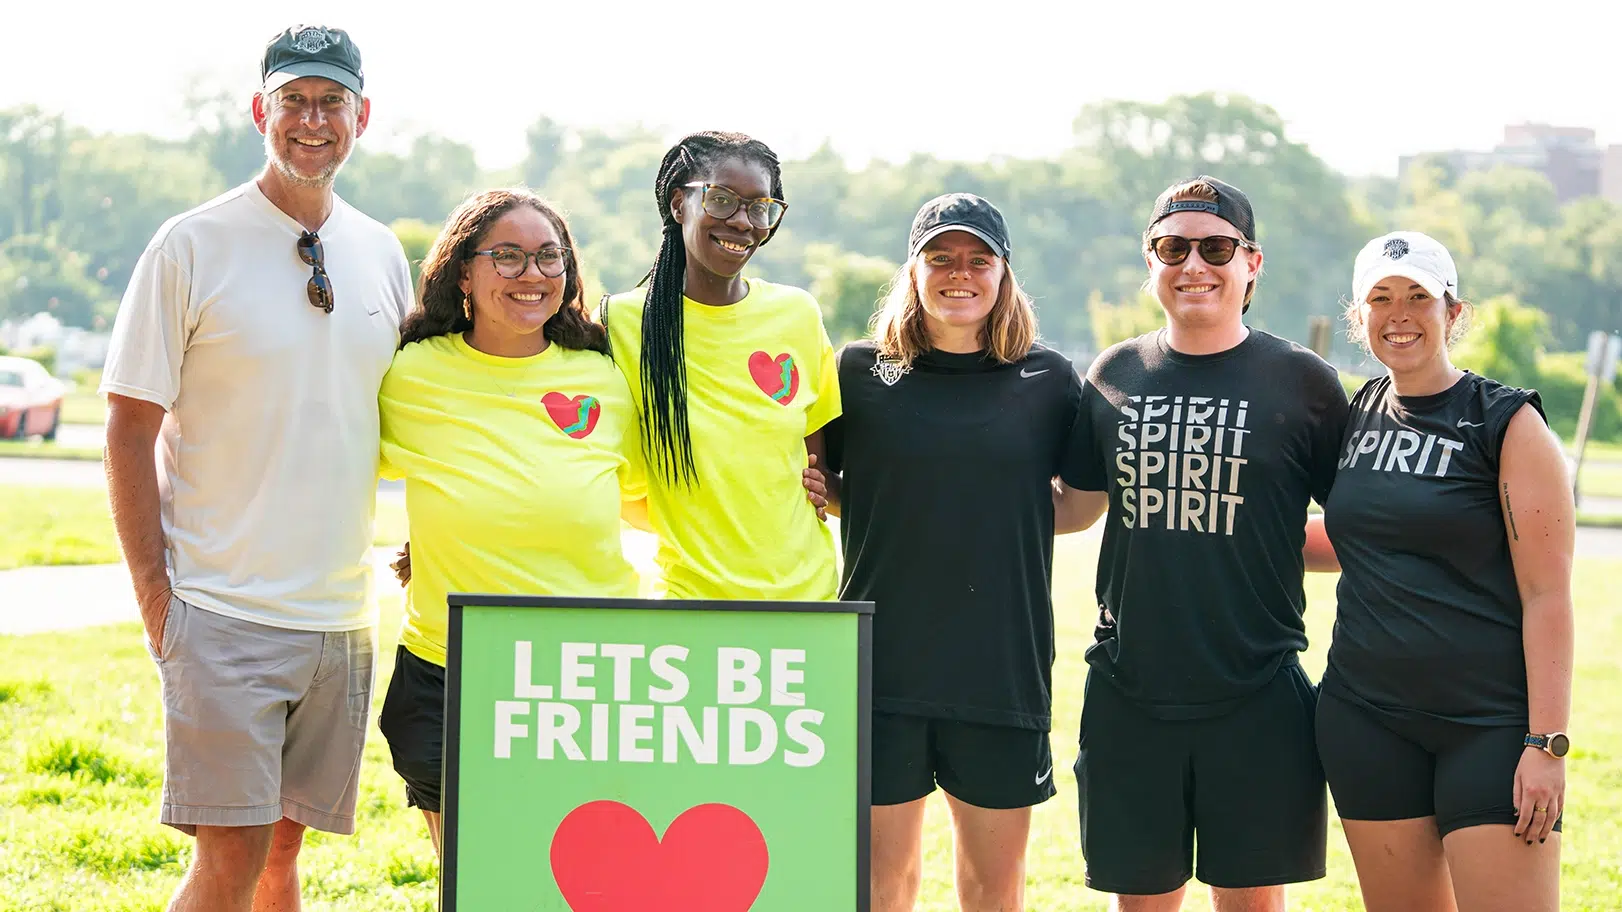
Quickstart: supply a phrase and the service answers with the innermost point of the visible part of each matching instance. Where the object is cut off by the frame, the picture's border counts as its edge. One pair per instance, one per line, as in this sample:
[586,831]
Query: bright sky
[1361,85]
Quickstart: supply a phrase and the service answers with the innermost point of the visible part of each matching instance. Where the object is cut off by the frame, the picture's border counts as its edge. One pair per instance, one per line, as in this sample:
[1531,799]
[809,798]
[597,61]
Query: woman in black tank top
[1448,689]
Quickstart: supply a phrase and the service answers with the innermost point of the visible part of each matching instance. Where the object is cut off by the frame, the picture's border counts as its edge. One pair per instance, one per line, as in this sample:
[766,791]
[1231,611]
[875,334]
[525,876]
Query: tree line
[77,207]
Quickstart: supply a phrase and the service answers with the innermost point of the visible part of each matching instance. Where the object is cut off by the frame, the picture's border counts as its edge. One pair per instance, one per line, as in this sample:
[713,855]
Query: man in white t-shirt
[242,446]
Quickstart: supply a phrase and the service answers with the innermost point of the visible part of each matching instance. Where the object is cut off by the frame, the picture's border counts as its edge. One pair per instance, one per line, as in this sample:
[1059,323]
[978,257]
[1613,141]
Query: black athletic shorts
[413,723]
[1387,767]
[989,766]
[1247,784]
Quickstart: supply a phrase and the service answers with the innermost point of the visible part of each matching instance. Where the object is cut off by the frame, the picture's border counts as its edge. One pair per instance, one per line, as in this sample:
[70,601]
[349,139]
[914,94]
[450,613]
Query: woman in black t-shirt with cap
[1443,709]
[944,461]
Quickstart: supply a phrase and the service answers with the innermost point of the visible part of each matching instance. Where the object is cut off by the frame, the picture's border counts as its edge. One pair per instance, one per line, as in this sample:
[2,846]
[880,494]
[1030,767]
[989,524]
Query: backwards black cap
[1231,206]
[959,212]
[311,50]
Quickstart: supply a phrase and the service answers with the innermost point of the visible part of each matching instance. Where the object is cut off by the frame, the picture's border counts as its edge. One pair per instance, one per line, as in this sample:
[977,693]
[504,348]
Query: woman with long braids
[517,440]
[735,379]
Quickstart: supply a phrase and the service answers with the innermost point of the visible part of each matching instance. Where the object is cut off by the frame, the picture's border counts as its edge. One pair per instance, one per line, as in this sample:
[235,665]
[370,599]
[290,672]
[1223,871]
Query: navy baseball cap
[1231,206]
[311,50]
[959,212]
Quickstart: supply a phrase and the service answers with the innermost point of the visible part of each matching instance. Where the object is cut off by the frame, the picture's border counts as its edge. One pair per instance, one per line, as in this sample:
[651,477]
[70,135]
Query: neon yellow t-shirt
[514,471]
[760,379]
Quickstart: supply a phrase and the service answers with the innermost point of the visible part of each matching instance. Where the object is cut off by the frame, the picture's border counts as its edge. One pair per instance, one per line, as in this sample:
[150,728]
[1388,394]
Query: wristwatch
[1555,744]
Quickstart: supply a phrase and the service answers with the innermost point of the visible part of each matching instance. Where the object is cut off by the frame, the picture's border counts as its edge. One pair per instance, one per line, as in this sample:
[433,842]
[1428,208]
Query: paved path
[88,473]
[1600,506]
[67,473]
[39,599]
[82,436]
[1597,542]
[77,473]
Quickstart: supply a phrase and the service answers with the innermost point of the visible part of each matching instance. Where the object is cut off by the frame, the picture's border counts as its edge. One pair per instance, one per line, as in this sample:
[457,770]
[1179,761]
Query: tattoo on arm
[1511,513]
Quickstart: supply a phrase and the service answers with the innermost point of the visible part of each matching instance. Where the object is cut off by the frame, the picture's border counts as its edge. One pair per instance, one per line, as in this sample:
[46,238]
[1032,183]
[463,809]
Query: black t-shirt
[1209,461]
[947,522]
[1429,620]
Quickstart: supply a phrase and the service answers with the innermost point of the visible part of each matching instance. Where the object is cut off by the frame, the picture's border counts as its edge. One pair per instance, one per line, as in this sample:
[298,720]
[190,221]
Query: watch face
[1559,745]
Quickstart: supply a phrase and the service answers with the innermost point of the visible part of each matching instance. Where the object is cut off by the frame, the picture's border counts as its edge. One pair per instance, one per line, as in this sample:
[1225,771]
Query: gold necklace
[508,393]
[487,370]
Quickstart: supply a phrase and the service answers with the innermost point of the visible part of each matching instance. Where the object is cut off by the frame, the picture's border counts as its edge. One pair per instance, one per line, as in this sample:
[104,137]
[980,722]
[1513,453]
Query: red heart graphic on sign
[576,417]
[606,858]
[777,377]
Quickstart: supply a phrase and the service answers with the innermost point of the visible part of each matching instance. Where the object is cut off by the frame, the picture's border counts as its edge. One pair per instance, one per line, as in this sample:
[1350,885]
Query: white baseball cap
[1407,254]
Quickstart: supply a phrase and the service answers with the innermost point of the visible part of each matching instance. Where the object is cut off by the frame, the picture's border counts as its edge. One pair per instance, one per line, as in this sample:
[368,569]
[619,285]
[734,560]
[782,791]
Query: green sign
[629,755]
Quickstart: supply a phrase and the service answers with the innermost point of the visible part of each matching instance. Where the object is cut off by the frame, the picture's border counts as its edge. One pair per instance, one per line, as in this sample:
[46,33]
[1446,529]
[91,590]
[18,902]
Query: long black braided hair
[665,438]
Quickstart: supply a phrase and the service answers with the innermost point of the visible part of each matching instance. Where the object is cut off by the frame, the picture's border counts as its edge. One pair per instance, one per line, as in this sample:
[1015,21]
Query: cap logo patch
[1191,206]
[314,40]
[1396,248]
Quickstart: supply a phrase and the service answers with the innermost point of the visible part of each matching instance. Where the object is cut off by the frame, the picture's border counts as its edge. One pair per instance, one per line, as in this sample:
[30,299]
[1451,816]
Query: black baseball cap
[312,50]
[959,212]
[1231,206]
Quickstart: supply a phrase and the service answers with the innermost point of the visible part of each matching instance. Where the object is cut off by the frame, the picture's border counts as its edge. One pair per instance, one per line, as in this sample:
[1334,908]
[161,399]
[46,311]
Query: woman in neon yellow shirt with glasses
[517,439]
[735,379]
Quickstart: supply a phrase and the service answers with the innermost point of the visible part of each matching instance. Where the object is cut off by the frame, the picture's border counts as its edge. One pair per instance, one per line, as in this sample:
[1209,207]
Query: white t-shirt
[268,456]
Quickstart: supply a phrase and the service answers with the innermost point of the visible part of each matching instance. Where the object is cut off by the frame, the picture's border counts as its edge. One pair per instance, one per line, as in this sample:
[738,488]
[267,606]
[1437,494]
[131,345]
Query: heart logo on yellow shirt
[576,417]
[777,377]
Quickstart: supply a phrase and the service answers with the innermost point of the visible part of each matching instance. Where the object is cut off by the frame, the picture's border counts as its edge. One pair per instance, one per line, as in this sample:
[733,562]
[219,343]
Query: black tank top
[1429,614]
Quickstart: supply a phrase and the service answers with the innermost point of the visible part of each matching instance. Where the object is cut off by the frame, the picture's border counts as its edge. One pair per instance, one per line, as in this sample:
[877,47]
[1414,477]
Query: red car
[30,399]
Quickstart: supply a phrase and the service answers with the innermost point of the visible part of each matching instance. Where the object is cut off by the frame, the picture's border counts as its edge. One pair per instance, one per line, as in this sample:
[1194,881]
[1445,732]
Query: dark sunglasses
[319,290]
[1215,250]
[721,203]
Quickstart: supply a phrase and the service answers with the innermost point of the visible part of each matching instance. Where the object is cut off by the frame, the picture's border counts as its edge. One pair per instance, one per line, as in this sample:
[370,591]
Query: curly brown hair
[439,293]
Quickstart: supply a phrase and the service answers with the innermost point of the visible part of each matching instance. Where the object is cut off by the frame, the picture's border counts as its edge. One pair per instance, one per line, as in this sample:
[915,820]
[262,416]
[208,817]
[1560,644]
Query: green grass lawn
[79,788]
[71,525]
[84,406]
[1602,450]
[1600,478]
[55,526]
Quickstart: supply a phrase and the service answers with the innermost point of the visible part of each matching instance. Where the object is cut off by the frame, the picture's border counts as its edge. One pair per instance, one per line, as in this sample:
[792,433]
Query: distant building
[1610,178]
[76,349]
[1570,157]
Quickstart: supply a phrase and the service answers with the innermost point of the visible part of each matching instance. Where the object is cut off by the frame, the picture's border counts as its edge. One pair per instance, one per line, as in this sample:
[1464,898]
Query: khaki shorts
[261,723]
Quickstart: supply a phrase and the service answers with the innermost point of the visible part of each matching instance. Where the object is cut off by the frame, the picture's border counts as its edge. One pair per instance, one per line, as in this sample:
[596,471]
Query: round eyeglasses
[512,262]
[720,203]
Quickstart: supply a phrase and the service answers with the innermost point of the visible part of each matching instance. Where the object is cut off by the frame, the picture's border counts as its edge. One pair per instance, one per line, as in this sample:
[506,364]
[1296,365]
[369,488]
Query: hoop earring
[467,308]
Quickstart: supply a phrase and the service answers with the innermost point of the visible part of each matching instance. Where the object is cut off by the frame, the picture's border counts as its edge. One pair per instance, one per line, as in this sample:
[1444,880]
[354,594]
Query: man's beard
[275,154]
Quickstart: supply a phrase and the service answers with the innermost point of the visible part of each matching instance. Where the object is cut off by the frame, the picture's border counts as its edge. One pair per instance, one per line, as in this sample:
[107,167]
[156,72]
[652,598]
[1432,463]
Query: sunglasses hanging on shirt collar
[319,289]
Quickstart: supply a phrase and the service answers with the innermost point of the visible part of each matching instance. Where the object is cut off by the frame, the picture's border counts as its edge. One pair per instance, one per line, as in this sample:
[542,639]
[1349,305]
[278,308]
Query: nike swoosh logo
[1028,374]
[1044,777]
[1463,423]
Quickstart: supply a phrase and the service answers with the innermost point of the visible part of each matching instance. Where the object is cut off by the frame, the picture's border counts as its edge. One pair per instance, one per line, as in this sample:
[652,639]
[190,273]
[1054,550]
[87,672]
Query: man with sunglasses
[242,449]
[1210,438]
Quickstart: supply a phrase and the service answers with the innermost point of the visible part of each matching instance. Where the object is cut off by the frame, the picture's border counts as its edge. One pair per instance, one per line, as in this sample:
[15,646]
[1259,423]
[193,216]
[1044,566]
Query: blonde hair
[902,333]
[1200,190]
[1358,333]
